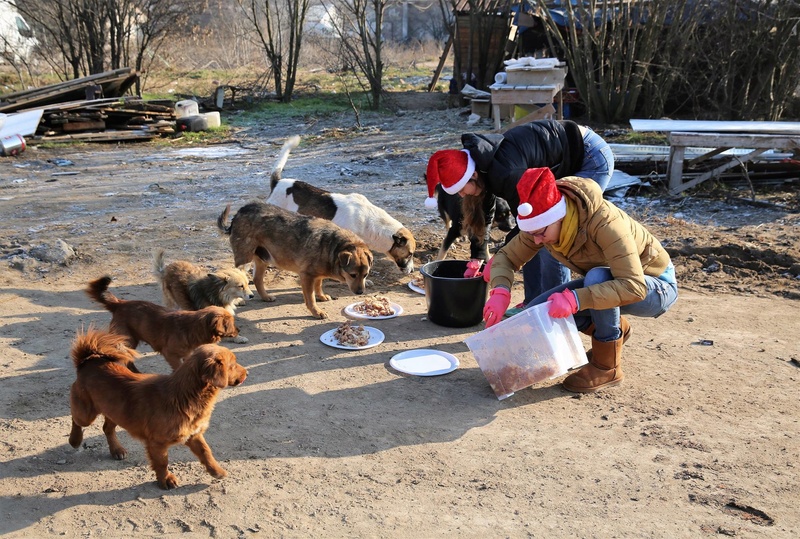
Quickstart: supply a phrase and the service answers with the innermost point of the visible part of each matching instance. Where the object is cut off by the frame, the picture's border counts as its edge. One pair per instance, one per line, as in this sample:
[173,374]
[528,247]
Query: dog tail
[97,344]
[223,219]
[158,263]
[98,291]
[290,144]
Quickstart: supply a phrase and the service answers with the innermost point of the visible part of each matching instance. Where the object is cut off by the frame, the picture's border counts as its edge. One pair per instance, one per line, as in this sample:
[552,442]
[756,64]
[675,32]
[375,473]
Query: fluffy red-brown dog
[160,410]
[174,334]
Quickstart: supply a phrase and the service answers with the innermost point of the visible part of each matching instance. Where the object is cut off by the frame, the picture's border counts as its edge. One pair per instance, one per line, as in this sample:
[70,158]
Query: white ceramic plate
[415,288]
[424,362]
[376,337]
[350,310]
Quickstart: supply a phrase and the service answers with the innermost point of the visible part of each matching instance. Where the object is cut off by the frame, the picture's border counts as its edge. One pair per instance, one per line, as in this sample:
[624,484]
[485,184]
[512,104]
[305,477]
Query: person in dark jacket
[492,164]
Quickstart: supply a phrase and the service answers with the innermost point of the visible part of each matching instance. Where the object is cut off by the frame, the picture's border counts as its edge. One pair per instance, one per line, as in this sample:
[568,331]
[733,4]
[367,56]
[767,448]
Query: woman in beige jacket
[625,268]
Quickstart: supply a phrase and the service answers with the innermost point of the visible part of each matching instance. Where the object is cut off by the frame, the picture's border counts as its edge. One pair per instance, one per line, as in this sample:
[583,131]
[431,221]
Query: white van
[16,37]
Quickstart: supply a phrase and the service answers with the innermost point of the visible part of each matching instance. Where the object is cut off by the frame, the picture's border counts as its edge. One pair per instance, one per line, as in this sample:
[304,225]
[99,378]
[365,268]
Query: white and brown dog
[379,230]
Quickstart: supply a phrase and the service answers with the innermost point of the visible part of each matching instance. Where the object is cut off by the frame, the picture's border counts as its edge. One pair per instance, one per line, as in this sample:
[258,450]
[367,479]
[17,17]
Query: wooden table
[720,142]
[541,95]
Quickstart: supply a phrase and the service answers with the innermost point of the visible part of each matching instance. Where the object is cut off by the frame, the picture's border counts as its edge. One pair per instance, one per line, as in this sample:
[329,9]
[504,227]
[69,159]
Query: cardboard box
[526,349]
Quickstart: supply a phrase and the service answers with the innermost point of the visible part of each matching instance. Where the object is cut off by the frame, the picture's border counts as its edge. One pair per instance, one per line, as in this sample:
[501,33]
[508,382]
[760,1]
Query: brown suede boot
[624,326]
[604,368]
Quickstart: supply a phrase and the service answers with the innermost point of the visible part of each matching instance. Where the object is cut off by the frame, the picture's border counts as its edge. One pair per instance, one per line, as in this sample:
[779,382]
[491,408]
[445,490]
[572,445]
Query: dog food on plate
[374,306]
[349,335]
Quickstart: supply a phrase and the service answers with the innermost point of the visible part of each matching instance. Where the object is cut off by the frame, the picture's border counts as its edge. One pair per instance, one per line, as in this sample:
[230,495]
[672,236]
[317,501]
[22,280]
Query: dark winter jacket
[503,158]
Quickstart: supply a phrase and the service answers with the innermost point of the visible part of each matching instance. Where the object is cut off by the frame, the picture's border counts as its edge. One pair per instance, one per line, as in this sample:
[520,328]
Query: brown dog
[159,410]
[382,232]
[313,248]
[174,334]
[189,287]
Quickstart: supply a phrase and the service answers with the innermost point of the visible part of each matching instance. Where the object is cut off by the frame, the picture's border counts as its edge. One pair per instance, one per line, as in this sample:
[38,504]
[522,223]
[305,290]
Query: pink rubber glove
[473,268]
[487,270]
[496,306]
[563,304]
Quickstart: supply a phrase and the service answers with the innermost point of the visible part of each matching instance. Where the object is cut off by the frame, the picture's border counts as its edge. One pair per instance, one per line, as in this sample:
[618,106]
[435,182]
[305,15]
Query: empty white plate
[424,362]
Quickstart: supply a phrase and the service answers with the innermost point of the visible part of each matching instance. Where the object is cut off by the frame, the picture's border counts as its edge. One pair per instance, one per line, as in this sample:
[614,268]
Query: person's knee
[597,276]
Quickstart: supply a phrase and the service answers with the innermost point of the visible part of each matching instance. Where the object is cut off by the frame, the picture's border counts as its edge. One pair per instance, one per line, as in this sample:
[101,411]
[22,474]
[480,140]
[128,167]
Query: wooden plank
[531,95]
[736,140]
[83,126]
[442,59]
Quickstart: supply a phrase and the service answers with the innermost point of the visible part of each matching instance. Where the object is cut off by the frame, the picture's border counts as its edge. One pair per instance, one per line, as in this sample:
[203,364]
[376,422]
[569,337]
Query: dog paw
[219,473]
[320,314]
[268,298]
[169,482]
[240,340]
[119,453]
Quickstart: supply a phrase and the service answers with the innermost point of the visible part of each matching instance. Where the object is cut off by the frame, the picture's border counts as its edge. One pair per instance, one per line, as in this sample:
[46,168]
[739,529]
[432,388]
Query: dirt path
[700,440]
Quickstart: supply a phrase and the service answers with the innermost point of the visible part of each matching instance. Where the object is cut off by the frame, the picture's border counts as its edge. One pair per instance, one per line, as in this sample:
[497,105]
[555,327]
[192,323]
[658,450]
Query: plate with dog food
[374,308]
[350,336]
[424,362]
[417,285]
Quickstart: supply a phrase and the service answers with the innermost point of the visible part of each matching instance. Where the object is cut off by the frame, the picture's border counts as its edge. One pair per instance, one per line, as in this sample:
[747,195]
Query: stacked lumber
[93,108]
[116,118]
[112,84]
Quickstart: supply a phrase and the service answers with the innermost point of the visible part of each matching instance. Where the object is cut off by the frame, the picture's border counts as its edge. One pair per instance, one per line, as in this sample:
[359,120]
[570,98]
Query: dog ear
[345,259]
[223,324]
[214,371]
[399,240]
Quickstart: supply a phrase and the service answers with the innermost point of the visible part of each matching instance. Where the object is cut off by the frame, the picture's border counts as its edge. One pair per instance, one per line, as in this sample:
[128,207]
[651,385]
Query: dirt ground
[701,440]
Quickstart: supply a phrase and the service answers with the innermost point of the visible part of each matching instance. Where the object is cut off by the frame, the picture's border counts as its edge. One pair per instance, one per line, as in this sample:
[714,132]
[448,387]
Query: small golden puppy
[189,287]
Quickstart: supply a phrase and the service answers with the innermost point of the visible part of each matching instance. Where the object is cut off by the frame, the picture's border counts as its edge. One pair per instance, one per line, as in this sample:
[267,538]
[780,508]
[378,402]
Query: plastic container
[192,123]
[186,108]
[12,145]
[453,301]
[212,118]
[526,349]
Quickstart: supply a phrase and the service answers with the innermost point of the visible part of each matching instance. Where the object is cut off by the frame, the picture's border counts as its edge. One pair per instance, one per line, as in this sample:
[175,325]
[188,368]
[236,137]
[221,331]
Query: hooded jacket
[503,158]
[607,236]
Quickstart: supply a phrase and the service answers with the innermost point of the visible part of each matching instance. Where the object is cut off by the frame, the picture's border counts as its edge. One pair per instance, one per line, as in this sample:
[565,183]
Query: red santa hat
[451,168]
[541,203]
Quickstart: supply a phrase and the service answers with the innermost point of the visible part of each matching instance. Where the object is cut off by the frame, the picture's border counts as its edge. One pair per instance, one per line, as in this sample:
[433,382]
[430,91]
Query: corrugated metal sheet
[703,126]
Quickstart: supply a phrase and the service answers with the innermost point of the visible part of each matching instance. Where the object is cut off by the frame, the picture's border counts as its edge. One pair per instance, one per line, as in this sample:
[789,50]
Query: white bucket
[212,118]
[187,107]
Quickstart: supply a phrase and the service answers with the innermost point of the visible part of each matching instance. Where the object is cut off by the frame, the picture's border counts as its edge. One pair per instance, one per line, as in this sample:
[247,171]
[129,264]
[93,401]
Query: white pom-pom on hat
[524,209]
[431,203]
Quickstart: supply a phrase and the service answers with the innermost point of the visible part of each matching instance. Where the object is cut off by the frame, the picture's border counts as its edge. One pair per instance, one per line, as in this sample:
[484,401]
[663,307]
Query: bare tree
[358,25]
[92,36]
[738,59]
[746,62]
[278,26]
[608,46]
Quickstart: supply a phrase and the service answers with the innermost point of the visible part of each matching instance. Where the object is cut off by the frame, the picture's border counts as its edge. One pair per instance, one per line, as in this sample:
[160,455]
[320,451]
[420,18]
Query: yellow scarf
[569,229]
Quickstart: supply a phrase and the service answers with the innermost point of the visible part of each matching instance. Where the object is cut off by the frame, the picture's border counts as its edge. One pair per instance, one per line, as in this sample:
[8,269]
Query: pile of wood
[93,108]
[106,119]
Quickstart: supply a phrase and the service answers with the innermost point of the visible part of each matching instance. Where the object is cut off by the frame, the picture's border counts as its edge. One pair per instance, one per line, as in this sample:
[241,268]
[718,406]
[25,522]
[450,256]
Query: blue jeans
[543,272]
[661,295]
